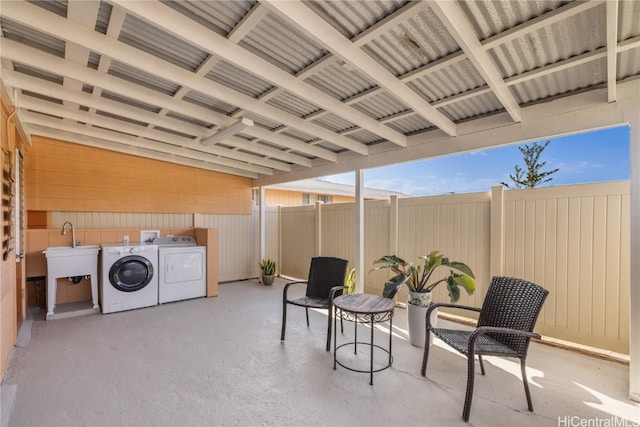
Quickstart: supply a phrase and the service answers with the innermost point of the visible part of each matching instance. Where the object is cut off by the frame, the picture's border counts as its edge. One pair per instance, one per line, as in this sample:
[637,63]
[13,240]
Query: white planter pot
[416,319]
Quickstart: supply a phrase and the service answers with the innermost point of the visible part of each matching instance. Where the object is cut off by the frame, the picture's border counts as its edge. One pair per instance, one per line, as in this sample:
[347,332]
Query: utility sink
[67,261]
[70,250]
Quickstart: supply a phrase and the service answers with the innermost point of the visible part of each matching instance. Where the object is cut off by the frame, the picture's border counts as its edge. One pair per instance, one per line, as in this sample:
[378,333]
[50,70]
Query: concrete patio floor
[219,361]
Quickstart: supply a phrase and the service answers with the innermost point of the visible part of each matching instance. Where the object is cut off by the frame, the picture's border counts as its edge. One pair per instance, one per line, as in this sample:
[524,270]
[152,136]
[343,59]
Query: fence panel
[573,240]
[298,239]
[455,225]
[337,231]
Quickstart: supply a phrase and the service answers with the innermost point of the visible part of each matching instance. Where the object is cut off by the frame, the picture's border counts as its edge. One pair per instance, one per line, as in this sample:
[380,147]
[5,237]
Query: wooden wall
[60,176]
[8,318]
[12,278]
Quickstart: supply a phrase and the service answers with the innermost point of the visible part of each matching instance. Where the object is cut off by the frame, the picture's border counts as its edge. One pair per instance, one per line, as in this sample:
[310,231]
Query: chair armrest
[433,306]
[495,330]
[333,292]
[296,282]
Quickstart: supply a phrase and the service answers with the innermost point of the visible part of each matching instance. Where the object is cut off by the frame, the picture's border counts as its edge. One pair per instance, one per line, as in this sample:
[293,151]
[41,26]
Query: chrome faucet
[73,232]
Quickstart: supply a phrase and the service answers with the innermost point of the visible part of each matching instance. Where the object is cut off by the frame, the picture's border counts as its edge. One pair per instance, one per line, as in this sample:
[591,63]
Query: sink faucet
[73,232]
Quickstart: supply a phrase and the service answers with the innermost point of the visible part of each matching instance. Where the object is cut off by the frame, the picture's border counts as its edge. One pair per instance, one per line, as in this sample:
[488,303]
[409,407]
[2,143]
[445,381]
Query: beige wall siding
[238,244]
[151,221]
[574,241]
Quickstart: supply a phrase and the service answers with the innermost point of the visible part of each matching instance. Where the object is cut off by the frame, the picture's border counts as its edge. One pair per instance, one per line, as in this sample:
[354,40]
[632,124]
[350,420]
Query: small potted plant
[418,280]
[268,270]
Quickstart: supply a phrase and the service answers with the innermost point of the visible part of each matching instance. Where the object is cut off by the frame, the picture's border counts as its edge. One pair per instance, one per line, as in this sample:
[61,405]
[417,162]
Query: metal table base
[365,309]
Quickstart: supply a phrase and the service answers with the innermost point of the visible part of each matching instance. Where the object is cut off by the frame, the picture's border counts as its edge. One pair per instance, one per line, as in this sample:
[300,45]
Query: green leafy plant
[268,267]
[533,176]
[350,282]
[417,277]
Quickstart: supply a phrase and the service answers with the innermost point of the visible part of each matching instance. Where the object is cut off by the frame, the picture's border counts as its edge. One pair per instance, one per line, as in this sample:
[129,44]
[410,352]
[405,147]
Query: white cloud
[481,153]
[578,167]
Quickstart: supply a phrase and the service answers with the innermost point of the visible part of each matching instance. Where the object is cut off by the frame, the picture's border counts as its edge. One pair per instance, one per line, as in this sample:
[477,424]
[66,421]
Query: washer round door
[131,273]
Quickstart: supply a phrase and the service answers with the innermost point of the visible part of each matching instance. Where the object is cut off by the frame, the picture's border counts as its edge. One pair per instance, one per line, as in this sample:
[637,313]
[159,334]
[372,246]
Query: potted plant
[350,282]
[268,269]
[418,279]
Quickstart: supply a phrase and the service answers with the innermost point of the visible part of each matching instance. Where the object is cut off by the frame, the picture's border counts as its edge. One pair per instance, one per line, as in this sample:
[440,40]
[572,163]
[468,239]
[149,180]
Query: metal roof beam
[116,21]
[612,48]
[38,18]
[45,107]
[169,20]
[310,23]
[21,54]
[84,13]
[454,19]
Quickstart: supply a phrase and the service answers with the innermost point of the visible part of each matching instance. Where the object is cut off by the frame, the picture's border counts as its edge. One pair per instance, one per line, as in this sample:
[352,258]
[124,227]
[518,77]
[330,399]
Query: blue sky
[583,158]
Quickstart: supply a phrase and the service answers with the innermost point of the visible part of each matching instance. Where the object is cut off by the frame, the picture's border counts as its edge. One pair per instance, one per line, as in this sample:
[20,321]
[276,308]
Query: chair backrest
[512,303]
[324,274]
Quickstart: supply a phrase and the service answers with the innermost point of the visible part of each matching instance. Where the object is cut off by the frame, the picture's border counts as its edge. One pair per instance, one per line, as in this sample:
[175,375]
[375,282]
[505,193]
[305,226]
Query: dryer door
[131,273]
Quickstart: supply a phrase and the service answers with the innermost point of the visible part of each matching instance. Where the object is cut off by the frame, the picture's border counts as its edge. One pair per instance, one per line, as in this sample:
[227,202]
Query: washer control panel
[126,249]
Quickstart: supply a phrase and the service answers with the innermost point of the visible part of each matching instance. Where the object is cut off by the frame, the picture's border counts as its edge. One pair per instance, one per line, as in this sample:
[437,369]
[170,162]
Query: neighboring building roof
[318,186]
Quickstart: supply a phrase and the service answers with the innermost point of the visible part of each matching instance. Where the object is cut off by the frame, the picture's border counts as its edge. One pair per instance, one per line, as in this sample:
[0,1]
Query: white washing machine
[129,277]
[182,268]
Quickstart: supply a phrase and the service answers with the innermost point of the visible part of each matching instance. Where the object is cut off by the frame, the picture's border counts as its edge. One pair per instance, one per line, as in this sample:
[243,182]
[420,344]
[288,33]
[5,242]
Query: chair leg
[425,356]
[284,319]
[329,320]
[523,368]
[306,310]
[470,377]
[481,364]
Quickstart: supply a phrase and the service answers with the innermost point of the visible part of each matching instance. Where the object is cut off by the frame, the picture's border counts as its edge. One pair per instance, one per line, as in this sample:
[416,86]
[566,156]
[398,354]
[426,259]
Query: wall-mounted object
[147,236]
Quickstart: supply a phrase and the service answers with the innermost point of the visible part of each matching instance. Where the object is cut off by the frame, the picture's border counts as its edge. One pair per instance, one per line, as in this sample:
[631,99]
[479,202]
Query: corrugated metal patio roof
[323,81]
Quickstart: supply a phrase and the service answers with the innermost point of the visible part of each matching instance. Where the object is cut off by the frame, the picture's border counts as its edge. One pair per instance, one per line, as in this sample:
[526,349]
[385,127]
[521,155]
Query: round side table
[363,308]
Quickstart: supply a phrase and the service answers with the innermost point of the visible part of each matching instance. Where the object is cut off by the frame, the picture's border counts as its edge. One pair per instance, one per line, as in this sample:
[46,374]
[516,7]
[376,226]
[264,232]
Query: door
[182,273]
[131,273]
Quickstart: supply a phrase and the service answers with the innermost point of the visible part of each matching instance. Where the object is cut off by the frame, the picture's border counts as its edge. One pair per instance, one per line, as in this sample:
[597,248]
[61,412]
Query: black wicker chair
[507,317]
[326,281]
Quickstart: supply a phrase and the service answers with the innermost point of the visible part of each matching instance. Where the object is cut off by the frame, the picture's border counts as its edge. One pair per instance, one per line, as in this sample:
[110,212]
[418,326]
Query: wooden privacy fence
[573,240]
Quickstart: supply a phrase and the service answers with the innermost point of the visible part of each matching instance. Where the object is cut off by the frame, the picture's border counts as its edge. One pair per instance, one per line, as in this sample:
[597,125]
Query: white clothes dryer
[129,277]
[182,268]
